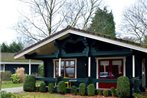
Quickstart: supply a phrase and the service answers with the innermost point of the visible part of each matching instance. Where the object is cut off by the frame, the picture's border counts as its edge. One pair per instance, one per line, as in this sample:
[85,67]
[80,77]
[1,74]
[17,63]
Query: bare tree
[48,16]
[135,20]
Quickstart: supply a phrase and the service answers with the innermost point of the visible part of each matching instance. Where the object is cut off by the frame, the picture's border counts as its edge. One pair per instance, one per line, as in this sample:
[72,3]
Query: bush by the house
[50,87]
[5,76]
[91,90]
[42,87]
[136,95]
[29,83]
[123,87]
[4,94]
[15,78]
[113,92]
[21,73]
[105,93]
[136,84]
[61,88]
[74,90]
[99,92]
[82,89]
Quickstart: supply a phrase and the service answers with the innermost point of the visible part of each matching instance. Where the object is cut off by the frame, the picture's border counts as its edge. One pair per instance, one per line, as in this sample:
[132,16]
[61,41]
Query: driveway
[13,90]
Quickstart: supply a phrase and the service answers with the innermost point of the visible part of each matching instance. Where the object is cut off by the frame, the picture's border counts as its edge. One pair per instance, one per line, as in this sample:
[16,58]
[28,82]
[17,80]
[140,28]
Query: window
[110,68]
[67,68]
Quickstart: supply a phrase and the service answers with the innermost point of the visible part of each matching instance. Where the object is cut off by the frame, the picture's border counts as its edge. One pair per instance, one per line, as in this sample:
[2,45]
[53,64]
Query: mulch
[78,96]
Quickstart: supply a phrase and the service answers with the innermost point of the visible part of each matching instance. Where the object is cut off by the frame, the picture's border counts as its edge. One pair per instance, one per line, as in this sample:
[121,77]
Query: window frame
[75,67]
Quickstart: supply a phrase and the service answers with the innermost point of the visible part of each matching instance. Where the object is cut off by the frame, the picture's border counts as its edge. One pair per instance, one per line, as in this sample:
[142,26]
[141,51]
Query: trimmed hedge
[105,93]
[82,89]
[74,90]
[42,87]
[61,88]
[99,92]
[113,92]
[29,84]
[123,87]
[91,90]
[50,87]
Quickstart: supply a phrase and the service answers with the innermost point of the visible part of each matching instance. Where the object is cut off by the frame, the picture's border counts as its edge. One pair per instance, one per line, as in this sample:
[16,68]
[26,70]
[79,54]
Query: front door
[109,69]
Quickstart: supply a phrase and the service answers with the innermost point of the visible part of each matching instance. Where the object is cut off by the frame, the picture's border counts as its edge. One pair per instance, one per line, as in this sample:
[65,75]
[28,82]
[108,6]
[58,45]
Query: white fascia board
[20,63]
[111,41]
[41,44]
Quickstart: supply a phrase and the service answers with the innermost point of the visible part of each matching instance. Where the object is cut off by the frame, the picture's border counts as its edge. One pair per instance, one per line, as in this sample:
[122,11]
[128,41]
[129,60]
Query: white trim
[29,66]
[111,41]
[124,66]
[101,58]
[20,63]
[143,73]
[66,59]
[59,69]
[40,44]
[80,33]
[89,66]
[133,65]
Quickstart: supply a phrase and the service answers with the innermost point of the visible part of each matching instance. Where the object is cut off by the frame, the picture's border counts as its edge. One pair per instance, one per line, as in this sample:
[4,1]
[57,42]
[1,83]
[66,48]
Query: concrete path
[13,90]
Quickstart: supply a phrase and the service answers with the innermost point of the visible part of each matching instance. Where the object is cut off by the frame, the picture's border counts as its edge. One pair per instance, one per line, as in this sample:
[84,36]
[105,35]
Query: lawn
[40,95]
[9,84]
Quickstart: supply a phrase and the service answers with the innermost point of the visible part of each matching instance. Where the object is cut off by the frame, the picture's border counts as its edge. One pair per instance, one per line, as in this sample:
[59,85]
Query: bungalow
[73,53]
[8,63]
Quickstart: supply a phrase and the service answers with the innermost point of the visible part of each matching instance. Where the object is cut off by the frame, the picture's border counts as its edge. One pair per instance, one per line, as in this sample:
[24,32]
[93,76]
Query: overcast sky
[9,16]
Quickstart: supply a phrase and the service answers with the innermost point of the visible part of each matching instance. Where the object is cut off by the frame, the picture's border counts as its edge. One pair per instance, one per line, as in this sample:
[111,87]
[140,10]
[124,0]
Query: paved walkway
[13,90]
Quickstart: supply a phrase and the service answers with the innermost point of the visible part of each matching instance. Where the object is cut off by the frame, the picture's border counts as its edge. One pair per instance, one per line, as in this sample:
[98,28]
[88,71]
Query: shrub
[50,87]
[82,89]
[4,94]
[21,73]
[42,87]
[41,70]
[91,90]
[5,76]
[113,92]
[74,90]
[105,93]
[99,92]
[15,78]
[61,88]
[138,96]
[136,85]
[123,87]
[29,83]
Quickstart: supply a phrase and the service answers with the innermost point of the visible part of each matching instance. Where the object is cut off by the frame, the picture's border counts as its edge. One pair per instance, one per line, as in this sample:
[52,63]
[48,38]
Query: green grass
[39,95]
[9,84]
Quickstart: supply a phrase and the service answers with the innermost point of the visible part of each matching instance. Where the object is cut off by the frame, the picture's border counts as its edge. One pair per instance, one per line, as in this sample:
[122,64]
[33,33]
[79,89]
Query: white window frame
[61,61]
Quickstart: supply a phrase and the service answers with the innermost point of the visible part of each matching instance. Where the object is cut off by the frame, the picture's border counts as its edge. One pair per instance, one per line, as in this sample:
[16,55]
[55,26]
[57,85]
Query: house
[8,63]
[73,53]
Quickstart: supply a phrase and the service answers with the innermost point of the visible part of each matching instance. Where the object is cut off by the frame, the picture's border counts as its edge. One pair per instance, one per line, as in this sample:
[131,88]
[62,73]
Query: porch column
[89,66]
[29,66]
[133,65]
[59,67]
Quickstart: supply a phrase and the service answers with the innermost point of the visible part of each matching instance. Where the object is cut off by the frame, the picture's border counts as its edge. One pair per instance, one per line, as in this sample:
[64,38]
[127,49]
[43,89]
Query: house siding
[48,66]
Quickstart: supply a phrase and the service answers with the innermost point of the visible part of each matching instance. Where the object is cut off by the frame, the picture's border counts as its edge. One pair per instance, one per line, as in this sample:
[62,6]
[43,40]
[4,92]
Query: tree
[48,16]
[103,22]
[12,48]
[135,20]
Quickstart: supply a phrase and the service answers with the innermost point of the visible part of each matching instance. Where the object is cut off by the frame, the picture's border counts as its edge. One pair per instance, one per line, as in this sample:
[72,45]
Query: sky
[9,15]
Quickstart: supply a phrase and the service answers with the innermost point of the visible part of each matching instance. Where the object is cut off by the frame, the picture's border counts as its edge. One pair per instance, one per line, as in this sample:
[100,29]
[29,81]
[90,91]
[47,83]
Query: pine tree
[103,23]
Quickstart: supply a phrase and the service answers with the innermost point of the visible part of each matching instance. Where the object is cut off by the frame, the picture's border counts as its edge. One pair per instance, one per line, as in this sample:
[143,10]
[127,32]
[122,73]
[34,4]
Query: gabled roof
[8,58]
[92,35]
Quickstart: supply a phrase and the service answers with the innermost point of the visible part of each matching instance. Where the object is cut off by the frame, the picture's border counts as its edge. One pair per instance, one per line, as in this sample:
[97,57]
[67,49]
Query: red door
[109,69]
